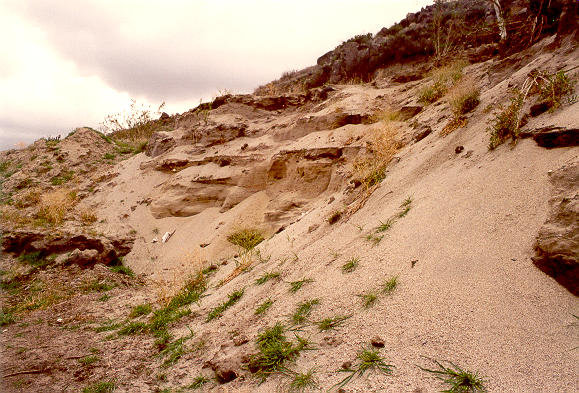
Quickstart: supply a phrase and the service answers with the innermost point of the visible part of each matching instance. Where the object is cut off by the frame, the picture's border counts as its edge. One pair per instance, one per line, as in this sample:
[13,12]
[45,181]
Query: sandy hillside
[388,214]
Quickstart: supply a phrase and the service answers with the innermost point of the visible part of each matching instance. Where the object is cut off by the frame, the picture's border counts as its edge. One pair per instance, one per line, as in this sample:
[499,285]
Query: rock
[539,108]
[159,143]
[109,249]
[240,340]
[408,112]
[377,342]
[551,137]
[166,236]
[347,365]
[557,243]
[164,116]
[422,133]
[83,258]
[458,149]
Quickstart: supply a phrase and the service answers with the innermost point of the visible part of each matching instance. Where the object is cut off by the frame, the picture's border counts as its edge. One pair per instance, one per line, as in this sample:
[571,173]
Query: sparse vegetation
[555,87]
[368,299]
[334,217]
[505,124]
[297,285]
[332,322]
[375,237]
[301,382]
[173,351]
[247,239]
[463,97]
[458,379]
[218,311]
[133,328]
[198,382]
[390,285]
[366,360]
[443,79]
[303,311]
[54,206]
[384,226]
[121,269]
[263,307]
[64,177]
[88,360]
[265,277]
[100,387]
[6,317]
[350,265]
[141,309]
[274,350]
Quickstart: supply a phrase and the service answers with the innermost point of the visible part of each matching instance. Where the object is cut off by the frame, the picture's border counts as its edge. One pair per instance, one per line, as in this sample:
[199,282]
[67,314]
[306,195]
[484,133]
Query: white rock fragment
[59,320]
[167,235]
[155,240]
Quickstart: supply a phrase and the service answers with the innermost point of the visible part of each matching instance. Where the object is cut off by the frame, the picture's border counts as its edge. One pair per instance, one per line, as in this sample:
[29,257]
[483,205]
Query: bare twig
[39,371]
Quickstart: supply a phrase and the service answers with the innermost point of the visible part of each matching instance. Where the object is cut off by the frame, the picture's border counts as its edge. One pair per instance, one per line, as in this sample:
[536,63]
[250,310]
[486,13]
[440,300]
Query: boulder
[159,143]
[557,244]
[408,112]
[552,137]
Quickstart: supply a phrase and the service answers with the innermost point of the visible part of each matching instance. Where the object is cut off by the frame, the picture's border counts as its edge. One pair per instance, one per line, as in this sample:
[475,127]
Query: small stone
[458,149]
[155,240]
[240,340]
[224,376]
[347,365]
[412,263]
[59,320]
[377,342]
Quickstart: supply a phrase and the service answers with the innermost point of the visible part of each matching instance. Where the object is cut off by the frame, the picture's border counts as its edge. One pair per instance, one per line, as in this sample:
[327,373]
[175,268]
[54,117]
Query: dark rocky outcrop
[557,244]
[159,143]
[552,137]
[106,250]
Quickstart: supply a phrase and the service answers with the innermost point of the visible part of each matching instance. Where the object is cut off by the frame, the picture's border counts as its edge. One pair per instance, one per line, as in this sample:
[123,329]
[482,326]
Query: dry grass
[463,97]
[87,216]
[443,78]
[54,205]
[383,144]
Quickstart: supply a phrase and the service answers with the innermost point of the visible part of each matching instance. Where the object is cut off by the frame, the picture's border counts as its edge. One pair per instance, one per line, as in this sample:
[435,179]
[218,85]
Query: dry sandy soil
[462,235]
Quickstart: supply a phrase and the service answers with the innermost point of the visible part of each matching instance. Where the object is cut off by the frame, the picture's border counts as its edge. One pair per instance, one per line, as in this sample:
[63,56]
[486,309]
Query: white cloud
[65,64]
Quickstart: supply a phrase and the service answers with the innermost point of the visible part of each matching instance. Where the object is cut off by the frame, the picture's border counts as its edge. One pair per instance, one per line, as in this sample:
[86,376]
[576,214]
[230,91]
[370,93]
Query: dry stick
[25,372]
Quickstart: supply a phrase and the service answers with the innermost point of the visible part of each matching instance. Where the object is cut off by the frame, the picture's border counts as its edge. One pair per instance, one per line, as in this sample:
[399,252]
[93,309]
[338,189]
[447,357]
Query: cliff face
[329,221]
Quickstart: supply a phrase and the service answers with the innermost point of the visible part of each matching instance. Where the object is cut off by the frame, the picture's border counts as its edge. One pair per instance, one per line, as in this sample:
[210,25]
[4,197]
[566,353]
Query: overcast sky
[69,63]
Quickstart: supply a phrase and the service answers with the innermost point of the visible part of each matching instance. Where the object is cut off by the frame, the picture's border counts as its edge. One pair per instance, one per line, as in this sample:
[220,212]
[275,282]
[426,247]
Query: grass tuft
[133,328]
[141,309]
[458,379]
[100,387]
[303,381]
[390,285]
[198,382]
[218,311]
[247,239]
[303,311]
[263,307]
[297,285]
[332,323]
[350,265]
[366,360]
[127,271]
[266,277]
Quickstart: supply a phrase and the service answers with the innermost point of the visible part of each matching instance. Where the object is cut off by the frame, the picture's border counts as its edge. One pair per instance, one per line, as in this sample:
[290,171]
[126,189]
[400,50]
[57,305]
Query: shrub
[506,122]
[431,93]
[134,127]
[555,87]
[247,239]
[463,97]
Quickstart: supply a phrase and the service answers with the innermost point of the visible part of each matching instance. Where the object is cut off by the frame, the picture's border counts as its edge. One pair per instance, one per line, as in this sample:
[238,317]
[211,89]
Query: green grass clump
[350,265]
[190,293]
[133,328]
[303,311]
[98,286]
[263,307]
[432,93]
[127,271]
[218,311]
[247,239]
[555,87]
[62,178]
[88,360]
[368,299]
[297,285]
[390,285]
[366,360]
[108,326]
[266,277]
[6,317]
[464,99]
[274,350]
[458,380]
[174,350]
[198,382]
[384,226]
[506,122]
[302,382]
[331,323]
[100,387]
[141,309]
[109,156]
